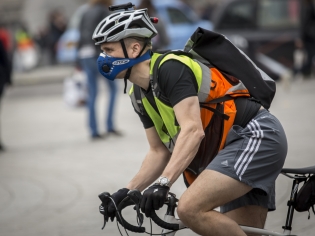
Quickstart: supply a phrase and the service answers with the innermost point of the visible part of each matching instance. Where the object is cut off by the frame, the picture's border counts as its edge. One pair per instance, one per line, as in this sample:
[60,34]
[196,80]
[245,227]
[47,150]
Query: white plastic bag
[25,59]
[75,92]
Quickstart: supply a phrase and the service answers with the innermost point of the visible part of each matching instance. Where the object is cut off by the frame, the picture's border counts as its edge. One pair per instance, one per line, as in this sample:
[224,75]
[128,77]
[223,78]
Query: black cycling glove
[153,198]
[117,197]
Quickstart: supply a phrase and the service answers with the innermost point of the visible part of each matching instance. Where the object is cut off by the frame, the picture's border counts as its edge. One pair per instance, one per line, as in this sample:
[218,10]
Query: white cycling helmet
[124,24]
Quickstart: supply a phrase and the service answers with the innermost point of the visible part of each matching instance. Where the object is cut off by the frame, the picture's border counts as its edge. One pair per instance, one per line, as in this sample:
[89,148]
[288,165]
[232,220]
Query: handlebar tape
[162,223]
[127,202]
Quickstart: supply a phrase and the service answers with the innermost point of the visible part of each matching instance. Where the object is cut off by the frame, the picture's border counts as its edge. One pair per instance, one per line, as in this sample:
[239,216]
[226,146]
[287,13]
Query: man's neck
[140,74]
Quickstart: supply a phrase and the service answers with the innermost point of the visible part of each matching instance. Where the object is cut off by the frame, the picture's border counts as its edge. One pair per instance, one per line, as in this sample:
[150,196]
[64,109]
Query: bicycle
[170,225]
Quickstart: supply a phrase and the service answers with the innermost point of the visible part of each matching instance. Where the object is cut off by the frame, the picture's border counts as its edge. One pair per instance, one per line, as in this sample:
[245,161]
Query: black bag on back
[306,196]
[210,47]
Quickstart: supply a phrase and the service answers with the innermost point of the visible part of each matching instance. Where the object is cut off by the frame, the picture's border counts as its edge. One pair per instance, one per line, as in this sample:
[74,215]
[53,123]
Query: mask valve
[106,68]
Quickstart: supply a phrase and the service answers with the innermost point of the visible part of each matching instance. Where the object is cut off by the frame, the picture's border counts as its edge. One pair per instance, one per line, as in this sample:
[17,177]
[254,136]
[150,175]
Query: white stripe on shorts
[251,148]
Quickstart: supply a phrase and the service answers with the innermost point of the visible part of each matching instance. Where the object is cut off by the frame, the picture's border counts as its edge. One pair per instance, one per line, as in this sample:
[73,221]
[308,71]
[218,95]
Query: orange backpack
[217,114]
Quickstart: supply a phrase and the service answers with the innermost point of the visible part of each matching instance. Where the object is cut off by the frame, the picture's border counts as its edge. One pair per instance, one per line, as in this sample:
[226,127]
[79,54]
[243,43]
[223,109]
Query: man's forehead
[109,45]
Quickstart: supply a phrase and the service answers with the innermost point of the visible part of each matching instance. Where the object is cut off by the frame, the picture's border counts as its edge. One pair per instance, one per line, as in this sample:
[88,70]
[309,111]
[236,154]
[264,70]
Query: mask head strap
[126,56]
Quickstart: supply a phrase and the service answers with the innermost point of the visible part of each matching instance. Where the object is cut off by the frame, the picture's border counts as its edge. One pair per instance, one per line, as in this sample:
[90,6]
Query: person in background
[5,66]
[207,11]
[299,58]
[25,57]
[87,55]
[41,38]
[57,25]
[308,34]
[161,41]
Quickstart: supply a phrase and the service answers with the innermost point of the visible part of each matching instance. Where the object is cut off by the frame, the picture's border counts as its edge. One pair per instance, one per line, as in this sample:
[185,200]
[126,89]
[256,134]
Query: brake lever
[136,197]
[105,198]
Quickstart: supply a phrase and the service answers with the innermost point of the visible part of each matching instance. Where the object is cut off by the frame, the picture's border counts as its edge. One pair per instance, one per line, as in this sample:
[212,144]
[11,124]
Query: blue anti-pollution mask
[110,67]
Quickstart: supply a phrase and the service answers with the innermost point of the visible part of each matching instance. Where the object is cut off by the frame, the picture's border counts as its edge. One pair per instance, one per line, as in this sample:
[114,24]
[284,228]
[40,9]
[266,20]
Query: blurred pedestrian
[5,37]
[88,54]
[57,25]
[299,58]
[25,53]
[207,11]
[7,41]
[161,41]
[5,74]
[41,38]
[308,33]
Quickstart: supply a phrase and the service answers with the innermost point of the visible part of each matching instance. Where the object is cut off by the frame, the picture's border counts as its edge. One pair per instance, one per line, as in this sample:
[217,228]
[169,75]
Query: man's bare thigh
[213,189]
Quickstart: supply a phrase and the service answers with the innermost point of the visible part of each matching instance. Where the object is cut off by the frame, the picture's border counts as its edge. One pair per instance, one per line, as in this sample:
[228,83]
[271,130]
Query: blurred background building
[266,30]
[34,12]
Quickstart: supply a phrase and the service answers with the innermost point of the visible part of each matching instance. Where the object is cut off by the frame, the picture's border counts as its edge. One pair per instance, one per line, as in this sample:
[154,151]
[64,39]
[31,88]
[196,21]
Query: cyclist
[241,177]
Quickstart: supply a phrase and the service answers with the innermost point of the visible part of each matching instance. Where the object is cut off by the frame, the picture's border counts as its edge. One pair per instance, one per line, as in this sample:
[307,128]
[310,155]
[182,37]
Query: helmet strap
[129,69]
[126,78]
[144,46]
[126,56]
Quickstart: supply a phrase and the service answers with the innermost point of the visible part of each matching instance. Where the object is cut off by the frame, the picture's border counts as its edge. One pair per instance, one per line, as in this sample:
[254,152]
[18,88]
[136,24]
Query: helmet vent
[100,27]
[134,26]
[137,24]
[116,31]
[99,39]
[110,25]
[139,14]
[123,18]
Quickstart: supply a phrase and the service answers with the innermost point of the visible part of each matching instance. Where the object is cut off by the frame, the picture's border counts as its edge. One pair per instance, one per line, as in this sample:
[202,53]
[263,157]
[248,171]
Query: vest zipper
[170,141]
[164,129]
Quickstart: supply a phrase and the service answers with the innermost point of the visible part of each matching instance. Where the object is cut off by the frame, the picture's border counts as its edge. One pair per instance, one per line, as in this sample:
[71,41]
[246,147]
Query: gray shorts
[255,156]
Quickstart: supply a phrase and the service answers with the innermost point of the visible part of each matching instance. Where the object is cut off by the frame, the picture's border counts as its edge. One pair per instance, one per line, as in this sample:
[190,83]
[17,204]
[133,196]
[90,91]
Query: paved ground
[43,75]
[51,174]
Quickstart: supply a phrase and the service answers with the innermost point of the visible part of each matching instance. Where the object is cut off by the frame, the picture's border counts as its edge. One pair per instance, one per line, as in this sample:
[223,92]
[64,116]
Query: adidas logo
[225,163]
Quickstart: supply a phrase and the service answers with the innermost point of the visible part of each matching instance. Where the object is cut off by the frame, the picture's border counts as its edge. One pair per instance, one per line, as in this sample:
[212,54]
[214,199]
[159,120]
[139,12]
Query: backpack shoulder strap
[165,100]
[138,99]
[155,71]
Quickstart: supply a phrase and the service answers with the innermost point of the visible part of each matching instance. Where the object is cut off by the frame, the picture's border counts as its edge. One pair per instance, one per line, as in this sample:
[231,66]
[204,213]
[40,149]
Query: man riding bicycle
[240,178]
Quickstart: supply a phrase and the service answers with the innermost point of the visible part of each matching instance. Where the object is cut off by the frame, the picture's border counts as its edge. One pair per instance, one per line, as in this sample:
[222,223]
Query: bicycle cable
[161,233]
[119,228]
[119,217]
[150,233]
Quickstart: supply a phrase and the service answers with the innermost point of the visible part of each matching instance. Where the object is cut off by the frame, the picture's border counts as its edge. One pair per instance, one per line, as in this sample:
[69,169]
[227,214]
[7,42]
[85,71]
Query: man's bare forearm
[185,150]
[151,168]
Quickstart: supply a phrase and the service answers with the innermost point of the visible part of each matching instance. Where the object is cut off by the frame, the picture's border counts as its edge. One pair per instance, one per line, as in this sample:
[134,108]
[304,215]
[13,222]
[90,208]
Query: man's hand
[117,197]
[153,198]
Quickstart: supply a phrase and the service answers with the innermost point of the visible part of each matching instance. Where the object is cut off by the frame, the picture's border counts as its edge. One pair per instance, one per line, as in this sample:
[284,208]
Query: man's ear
[136,49]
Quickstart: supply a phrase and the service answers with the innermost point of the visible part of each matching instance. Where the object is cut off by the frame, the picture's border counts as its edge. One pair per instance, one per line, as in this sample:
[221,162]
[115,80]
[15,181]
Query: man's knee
[181,210]
[186,209]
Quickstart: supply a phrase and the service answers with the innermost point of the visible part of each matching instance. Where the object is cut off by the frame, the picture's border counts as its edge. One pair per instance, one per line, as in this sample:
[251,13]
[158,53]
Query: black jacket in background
[93,15]
[307,20]
[5,68]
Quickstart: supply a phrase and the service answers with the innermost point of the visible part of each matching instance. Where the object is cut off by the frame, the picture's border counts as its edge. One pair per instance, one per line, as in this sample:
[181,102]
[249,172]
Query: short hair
[139,40]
